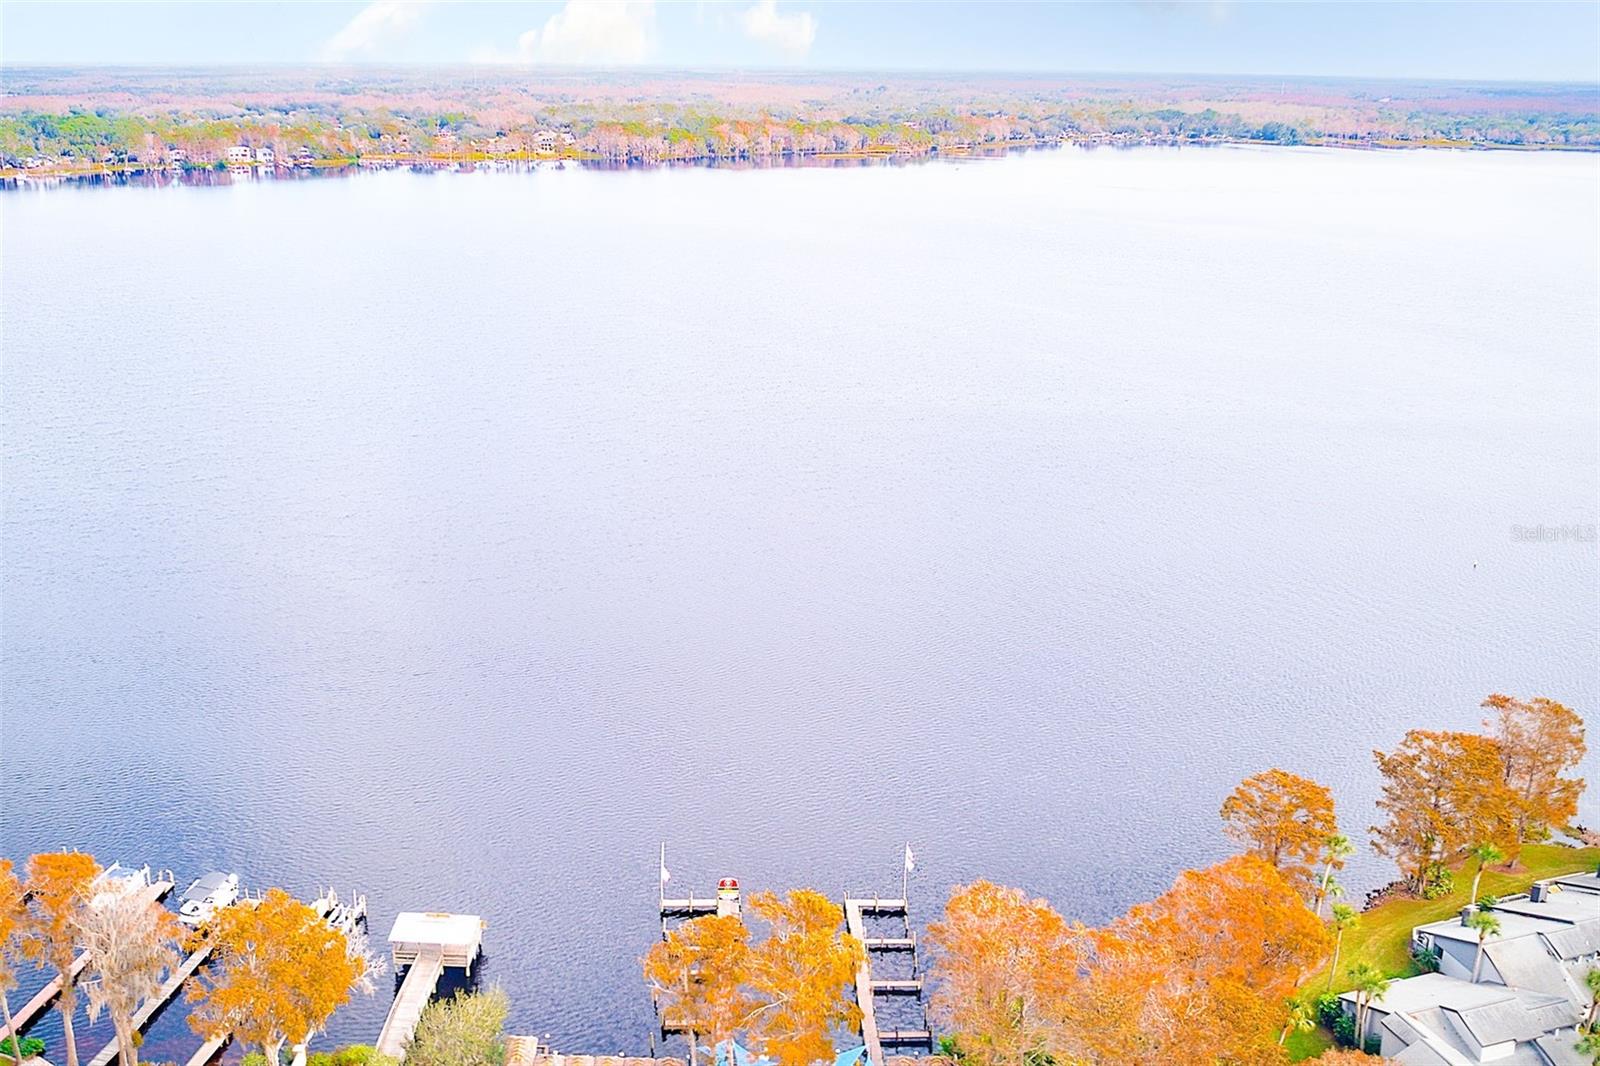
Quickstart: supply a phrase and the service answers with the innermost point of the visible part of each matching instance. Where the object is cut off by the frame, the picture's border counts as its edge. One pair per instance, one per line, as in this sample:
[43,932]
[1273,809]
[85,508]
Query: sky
[1519,41]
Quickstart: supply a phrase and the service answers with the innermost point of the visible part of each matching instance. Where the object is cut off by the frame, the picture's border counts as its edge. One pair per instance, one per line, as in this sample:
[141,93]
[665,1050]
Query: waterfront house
[265,157]
[1549,939]
[1529,995]
[545,140]
[1439,1020]
[240,153]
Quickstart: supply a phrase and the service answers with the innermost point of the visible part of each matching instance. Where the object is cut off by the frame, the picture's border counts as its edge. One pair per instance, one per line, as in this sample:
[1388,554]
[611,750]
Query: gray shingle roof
[1526,964]
[1575,941]
[1523,1018]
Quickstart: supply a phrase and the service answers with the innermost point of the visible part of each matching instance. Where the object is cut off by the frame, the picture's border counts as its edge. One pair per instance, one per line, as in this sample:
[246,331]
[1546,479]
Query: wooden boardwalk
[868,988]
[406,1010]
[30,1011]
[148,1008]
[209,1050]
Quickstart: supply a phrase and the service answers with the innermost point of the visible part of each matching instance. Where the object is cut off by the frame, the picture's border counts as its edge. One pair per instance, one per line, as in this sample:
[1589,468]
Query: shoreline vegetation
[62,122]
[1224,967]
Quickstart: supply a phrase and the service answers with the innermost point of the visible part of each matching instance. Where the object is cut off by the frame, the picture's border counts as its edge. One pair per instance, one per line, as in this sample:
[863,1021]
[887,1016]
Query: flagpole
[905,877]
[661,886]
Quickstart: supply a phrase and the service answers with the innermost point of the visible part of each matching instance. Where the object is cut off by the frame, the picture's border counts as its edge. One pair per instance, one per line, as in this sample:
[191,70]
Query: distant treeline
[332,129]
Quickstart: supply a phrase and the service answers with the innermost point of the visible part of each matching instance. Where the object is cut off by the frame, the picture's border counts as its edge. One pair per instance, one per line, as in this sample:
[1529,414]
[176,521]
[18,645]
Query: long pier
[155,892]
[148,1008]
[868,988]
[426,943]
[406,1010]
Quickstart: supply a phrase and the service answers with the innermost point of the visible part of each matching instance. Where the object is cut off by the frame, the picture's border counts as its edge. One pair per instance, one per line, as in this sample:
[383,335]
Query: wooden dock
[406,1010]
[869,988]
[209,1050]
[148,1008]
[155,891]
[426,943]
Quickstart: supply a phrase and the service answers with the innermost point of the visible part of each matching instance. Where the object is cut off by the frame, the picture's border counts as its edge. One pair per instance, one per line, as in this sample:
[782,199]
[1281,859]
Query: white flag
[911,860]
[665,876]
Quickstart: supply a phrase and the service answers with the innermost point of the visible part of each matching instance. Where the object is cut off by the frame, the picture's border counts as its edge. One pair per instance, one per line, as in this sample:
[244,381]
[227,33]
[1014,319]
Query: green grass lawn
[1382,936]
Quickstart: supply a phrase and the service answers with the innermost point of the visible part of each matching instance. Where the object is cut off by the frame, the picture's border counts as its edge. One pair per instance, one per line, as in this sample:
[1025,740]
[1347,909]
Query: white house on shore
[265,157]
[241,153]
[1529,996]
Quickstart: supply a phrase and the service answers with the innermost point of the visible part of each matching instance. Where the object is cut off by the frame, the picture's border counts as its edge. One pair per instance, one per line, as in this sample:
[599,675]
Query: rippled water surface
[460,538]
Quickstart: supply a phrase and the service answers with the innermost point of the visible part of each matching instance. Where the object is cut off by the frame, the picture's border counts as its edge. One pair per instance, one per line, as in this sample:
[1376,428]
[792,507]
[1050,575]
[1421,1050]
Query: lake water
[461,538]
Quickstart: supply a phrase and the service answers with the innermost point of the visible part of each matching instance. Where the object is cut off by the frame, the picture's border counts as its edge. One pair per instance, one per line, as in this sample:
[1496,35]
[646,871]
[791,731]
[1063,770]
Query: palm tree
[1589,1044]
[1302,1019]
[1339,849]
[1344,917]
[1486,925]
[1486,854]
[1591,981]
[1368,984]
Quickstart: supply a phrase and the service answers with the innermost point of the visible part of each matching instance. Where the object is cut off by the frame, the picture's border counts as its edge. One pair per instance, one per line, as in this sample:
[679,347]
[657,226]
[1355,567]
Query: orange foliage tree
[1005,965]
[62,884]
[1200,974]
[803,975]
[698,976]
[13,916]
[1540,740]
[1285,820]
[1443,793]
[281,972]
[1236,921]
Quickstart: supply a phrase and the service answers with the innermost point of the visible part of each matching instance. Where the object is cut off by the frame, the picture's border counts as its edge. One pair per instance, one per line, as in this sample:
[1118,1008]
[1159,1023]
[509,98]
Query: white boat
[206,896]
[116,881]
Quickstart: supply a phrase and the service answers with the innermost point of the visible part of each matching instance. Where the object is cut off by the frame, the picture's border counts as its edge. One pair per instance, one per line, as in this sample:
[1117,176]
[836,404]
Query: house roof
[1589,881]
[1575,941]
[1527,965]
[1571,905]
[1462,1013]
[1420,1054]
[1560,1049]
[1431,989]
[1511,927]
[1515,1018]
[449,930]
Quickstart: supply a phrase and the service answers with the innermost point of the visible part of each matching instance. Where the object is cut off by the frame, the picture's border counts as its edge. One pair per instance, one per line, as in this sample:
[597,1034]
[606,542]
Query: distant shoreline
[135,173]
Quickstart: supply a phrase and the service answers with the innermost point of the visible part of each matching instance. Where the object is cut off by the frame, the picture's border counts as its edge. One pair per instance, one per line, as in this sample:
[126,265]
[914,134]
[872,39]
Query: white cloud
[599,32]
[525,52]
[790,33]
[379,23]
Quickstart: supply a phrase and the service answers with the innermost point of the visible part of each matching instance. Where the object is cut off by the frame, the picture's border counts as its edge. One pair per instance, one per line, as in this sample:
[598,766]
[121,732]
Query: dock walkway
[148,1008]
[30,1011]
[406,1010]
[209,1050]
[868,988]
